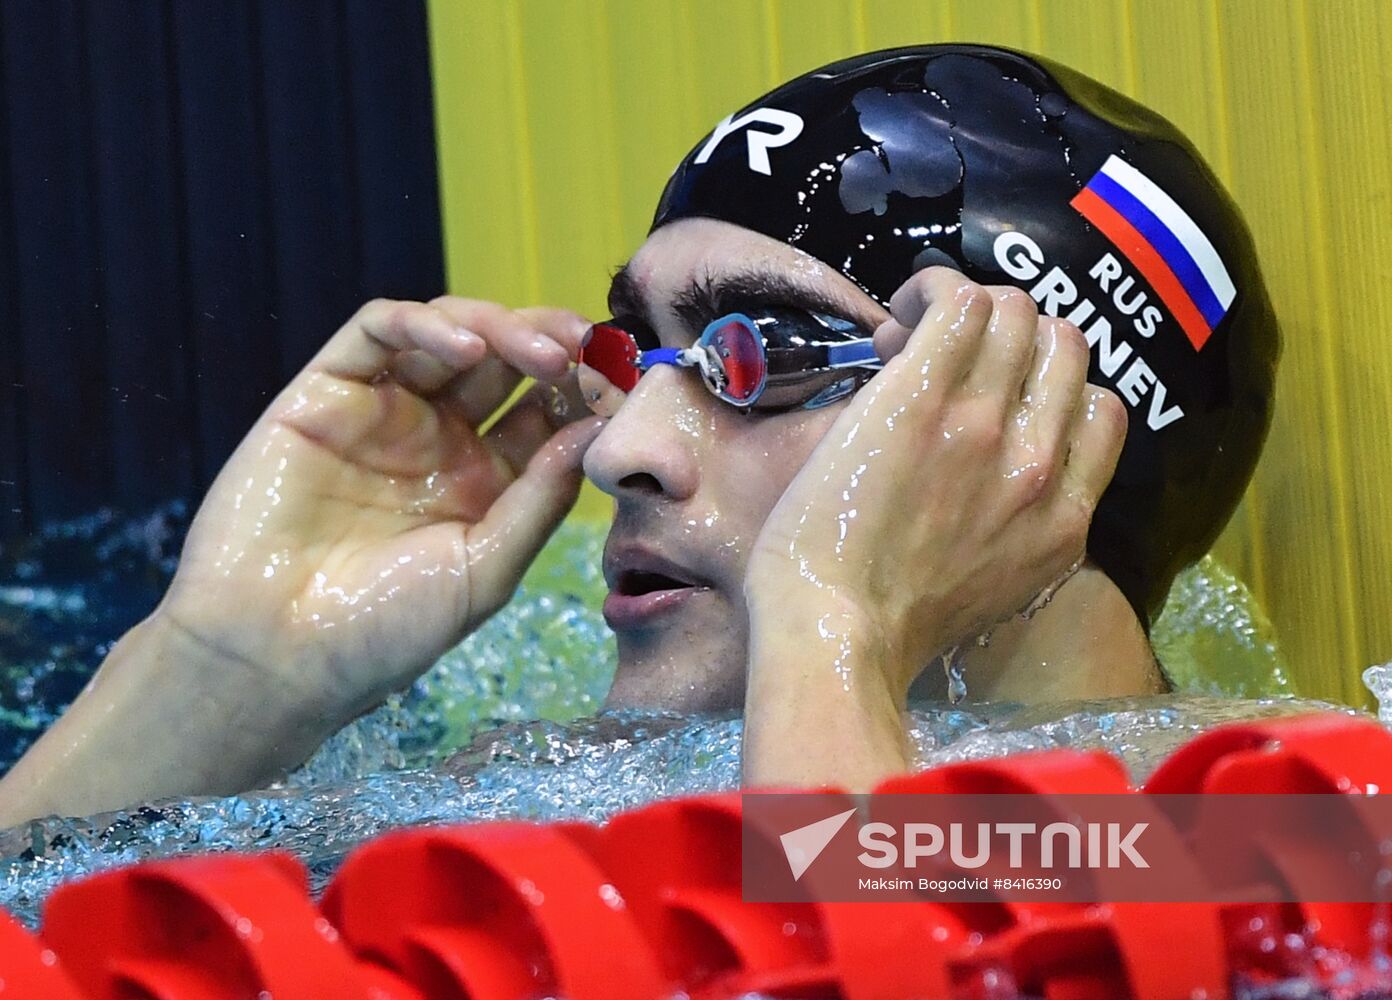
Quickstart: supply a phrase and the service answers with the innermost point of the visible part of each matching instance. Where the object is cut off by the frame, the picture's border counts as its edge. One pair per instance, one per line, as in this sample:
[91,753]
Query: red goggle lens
[613,353]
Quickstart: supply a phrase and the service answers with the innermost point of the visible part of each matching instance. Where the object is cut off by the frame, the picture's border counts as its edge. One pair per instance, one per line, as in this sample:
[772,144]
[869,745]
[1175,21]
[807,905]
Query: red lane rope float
[30,969]
[678,863]
[210,928]
[1045,772]
[1136,951]
[492,912]
[1311,754]
[687,896]
[1329,754]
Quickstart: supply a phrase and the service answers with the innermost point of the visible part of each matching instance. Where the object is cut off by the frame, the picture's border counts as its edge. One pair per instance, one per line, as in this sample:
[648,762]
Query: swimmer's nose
[650,445]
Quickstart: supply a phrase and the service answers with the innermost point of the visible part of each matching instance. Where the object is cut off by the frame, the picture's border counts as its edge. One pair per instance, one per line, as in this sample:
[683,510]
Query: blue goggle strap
[853,354]
[683,357]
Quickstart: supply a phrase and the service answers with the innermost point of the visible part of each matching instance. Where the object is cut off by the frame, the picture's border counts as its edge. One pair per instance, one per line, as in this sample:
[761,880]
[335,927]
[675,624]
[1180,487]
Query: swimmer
[843,408]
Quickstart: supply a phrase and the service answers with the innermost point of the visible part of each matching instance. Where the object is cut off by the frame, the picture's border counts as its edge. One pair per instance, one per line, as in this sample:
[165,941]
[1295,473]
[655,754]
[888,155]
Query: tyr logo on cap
[760,142]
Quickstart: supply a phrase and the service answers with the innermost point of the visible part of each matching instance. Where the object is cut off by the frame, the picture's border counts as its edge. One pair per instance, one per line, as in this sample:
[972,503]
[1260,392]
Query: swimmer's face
[693,478]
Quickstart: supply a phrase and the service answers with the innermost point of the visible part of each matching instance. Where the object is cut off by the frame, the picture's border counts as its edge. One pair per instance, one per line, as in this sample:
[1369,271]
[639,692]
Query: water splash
[1212,637]
[954,664]
[1378,680]
[587,770]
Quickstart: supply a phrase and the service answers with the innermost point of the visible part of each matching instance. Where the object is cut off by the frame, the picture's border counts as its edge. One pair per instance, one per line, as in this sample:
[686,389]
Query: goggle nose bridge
[712,368]
[699,356]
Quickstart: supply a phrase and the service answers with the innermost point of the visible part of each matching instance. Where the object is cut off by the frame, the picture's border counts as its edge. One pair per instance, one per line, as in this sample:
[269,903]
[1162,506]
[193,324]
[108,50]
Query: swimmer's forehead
[699,287]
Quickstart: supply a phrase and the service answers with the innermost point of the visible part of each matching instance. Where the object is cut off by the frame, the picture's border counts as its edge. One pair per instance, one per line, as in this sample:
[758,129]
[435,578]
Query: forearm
[164,716]
[818,709]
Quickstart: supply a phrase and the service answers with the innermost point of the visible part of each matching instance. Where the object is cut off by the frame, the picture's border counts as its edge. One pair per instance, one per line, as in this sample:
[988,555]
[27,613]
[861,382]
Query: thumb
[503,544]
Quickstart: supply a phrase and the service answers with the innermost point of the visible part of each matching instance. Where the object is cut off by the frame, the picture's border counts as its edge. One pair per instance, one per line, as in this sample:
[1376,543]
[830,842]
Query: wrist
[798,610]
[166,715]
[291,673]
[261,719]
[820,708]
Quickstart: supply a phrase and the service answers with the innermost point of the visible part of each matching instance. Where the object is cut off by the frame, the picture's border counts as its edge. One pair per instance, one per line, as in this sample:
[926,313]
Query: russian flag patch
[1162,242]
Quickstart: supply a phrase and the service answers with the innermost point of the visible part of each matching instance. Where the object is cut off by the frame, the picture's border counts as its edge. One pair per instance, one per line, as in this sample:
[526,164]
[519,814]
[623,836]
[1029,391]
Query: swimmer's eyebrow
[708,298]
[625,297]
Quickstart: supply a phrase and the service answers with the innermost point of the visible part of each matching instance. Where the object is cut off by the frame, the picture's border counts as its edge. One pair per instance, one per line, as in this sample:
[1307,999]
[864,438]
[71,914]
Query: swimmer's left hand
[957,485]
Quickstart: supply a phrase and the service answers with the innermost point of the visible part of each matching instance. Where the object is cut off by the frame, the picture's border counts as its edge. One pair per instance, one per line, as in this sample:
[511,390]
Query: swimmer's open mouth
[644,585]
[633,583]
[631,570]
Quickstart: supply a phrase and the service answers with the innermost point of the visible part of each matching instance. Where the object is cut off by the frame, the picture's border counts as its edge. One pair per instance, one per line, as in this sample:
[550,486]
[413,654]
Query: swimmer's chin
[685,684]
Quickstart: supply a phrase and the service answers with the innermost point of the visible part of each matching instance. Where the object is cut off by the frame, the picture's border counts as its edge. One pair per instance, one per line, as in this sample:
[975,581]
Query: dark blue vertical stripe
[316,231]
[14,506]
[140,244]
[68,392]
[394,142]
[228,248]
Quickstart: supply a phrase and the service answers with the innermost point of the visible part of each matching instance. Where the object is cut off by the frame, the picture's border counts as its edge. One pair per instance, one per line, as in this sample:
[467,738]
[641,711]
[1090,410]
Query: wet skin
[693,478]
[365,526]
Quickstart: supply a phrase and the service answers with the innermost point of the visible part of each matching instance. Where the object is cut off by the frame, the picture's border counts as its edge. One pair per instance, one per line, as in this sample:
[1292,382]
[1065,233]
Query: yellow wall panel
[891,23]
[1102,47]
[812,34]
[481,126]
[1352,108]
[574,155]
[1017,24]
[560,121]
[1300,491]
[655,71]
[731,44]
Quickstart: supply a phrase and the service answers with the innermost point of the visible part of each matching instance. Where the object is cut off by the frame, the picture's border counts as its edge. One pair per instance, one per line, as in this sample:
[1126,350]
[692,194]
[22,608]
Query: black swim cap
[1015,170]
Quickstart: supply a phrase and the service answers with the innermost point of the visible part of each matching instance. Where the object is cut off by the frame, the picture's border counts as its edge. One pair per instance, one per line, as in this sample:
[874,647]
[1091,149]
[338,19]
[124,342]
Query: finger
[564,326]
[948,314]
[364,347]
[1095,439]
[493,381]
[565,403]
[420,372]
[1007,349]
[1053,389]
[476,394]
[509,335]
[516,348]
[504,543]
[533,419]
[890,338]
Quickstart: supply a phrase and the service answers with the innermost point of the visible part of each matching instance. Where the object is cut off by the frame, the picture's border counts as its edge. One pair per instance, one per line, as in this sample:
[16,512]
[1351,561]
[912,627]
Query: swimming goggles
[774,359]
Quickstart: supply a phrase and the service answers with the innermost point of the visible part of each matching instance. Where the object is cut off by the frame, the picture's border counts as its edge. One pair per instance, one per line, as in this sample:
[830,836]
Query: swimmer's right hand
[366,525]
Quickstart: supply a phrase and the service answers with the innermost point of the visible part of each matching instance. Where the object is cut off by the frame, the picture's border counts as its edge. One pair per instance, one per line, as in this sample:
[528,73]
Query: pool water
[463,744]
